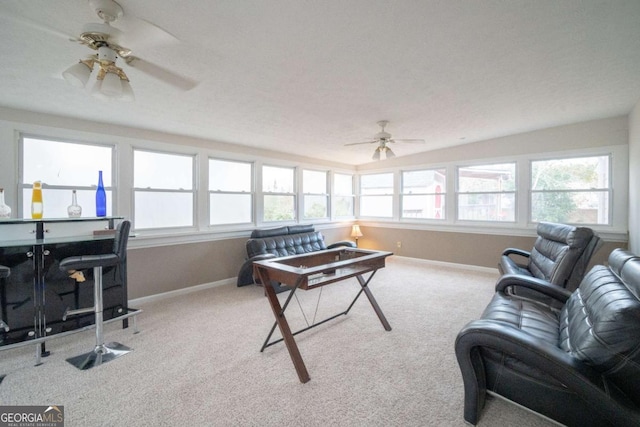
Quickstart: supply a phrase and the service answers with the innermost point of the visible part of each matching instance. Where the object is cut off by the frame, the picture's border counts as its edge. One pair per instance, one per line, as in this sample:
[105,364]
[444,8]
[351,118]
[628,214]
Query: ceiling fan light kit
[111,82]
[383,138]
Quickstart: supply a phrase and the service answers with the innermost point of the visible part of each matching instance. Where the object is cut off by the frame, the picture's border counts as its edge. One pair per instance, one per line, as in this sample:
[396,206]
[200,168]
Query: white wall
[634,179]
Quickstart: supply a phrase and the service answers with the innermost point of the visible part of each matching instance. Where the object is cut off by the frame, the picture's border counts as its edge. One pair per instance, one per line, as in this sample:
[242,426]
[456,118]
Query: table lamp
[355,232]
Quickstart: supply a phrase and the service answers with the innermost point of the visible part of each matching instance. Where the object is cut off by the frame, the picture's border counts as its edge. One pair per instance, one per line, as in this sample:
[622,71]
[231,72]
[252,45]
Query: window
[230,192]
[63,167]
[423,193]
[487,192]
[575,190]
[163,190]
[376,195]
[343,197]
[278,193]
[316,197]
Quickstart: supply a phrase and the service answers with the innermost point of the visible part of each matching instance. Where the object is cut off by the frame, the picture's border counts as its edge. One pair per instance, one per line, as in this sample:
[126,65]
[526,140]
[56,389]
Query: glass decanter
[74,210]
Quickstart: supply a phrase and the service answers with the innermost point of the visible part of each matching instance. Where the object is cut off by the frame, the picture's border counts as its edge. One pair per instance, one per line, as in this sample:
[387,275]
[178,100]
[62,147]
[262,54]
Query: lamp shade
[355,231]
[96,91]
[111,86]
[127,91]
[78,74]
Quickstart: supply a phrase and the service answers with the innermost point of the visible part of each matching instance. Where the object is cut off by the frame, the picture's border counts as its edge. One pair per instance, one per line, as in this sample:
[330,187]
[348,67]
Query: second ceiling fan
[383,139]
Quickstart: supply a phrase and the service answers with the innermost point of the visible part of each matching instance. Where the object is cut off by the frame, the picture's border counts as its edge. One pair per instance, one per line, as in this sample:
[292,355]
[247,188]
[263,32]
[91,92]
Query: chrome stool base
[101,354]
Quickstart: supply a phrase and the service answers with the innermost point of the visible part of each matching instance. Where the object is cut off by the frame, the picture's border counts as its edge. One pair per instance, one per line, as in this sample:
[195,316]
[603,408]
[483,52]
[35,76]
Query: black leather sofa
[578,365]
[282,241]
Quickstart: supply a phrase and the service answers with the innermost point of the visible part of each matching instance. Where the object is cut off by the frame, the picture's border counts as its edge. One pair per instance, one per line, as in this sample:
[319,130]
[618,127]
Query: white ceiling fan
[383,138]
[112,42]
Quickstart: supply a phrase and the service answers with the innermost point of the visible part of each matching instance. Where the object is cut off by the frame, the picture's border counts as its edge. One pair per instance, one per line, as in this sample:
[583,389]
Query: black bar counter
[34,297]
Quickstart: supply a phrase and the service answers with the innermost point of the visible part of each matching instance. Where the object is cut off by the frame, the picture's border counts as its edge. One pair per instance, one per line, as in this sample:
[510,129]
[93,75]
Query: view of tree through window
[574,190]
[314,187]
[278,193]
[343,196]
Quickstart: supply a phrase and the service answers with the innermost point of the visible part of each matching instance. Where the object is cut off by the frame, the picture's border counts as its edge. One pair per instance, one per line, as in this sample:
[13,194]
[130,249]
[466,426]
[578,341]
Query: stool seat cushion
[83,262]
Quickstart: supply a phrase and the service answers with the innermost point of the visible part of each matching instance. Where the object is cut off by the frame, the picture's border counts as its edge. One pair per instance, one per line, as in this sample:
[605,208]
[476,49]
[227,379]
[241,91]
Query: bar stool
[102,352]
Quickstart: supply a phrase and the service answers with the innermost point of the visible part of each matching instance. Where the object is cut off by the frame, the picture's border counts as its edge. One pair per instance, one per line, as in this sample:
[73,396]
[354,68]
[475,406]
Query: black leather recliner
[560,255]
[578,365]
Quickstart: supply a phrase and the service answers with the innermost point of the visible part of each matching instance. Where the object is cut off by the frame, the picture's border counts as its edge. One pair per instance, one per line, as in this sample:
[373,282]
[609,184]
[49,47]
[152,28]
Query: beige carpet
[196,361]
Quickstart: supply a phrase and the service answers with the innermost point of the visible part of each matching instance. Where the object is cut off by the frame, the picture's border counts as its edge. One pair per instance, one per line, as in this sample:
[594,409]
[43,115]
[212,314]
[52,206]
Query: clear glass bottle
[74,210]
[37,207]
[101,197]
[5,210]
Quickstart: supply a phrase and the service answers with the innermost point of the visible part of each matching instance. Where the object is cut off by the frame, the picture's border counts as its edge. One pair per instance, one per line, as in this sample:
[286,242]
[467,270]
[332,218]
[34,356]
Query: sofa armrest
[245,275]
[342,243]
[575,375]
[512,280]
[516,251]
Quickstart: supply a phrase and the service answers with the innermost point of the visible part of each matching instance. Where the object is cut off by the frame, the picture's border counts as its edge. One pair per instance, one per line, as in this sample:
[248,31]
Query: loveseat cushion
[284,245]
[532,317]
[600,324]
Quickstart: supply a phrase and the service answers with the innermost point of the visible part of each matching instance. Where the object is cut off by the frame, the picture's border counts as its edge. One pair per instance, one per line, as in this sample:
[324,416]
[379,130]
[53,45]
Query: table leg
[373,301]
[281,320]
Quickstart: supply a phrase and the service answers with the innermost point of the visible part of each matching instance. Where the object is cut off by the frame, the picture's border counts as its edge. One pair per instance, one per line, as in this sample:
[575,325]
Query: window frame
[293,194]
[23,187]
[442,194]
[335,195]
[515,191]
[193,191]
[391,195]
[608,190]
[325,195]
[251,193]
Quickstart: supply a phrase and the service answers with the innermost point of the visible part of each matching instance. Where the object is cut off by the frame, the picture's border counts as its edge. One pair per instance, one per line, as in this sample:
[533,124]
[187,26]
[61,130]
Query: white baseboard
[183,291]
[451,264]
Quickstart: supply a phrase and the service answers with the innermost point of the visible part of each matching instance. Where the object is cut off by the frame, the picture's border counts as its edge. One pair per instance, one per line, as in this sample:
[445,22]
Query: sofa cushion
[284,245]
[269,232]
[600,324]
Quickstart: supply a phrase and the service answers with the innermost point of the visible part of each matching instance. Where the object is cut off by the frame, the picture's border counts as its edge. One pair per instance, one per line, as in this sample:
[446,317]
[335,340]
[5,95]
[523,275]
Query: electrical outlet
[399,244]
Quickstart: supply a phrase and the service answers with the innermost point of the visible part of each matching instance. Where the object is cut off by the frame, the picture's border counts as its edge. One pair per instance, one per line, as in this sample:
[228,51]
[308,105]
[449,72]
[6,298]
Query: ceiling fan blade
[139,33]
[37,26]
[162,74]
[411,141]
[359,143]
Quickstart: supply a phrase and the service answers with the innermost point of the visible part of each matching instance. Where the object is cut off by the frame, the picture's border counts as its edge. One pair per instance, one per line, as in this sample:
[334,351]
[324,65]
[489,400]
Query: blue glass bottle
[101,197]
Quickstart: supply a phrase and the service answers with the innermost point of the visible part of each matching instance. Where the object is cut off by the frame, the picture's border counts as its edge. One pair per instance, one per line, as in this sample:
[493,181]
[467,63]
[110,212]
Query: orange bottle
[36,201]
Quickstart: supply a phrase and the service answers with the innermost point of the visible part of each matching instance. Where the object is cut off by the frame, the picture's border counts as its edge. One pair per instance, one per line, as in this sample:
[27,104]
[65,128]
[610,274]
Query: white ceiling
[306,77]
